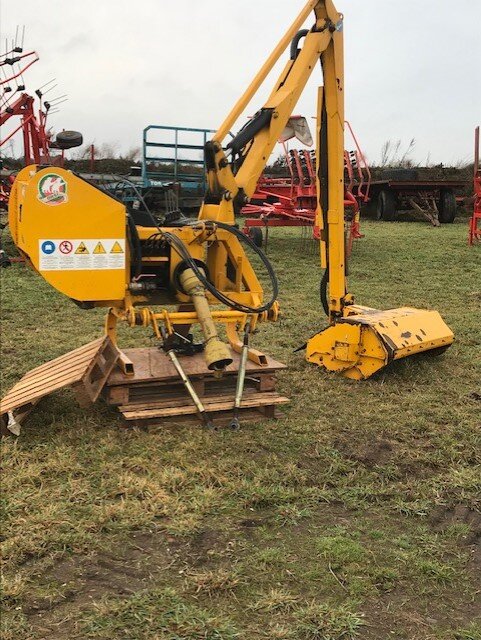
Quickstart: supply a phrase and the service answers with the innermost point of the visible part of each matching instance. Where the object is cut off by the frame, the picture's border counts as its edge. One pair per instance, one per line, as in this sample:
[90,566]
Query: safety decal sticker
[67,254]
[52,189]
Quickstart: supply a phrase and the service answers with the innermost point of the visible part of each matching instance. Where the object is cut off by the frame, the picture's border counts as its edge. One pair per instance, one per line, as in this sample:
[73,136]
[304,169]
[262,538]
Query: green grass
[339,520]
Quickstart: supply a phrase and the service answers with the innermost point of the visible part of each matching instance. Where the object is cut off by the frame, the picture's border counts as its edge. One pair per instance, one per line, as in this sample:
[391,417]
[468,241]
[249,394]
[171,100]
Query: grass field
[354,515]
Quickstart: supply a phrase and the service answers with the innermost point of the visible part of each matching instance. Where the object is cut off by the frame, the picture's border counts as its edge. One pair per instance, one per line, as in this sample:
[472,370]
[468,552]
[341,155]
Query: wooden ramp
[85,369]
[155,394]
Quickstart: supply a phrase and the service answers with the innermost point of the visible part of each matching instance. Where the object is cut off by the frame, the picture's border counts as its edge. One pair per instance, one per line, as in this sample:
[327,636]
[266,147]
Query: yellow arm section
[232,175]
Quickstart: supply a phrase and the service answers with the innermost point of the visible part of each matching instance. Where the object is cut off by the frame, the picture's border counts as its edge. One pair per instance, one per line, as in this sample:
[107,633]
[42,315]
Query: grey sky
[412,67]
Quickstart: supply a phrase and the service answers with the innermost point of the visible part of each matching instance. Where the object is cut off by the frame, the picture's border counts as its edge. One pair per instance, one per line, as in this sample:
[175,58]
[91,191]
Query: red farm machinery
[19,109]
[289,199]
[475,220]
[27,115]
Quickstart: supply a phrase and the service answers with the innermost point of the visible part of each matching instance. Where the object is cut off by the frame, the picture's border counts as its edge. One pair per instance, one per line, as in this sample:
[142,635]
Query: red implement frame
[291,201]
[15,103]
[36,137]
[475,221]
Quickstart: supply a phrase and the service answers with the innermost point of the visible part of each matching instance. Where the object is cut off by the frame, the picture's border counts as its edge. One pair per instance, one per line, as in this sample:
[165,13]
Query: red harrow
[291,201]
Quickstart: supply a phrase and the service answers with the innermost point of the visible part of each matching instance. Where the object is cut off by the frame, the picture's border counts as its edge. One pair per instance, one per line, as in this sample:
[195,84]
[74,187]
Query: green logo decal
[52,189]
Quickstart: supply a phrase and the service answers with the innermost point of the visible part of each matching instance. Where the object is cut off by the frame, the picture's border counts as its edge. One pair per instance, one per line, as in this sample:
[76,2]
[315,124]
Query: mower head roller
[366,340]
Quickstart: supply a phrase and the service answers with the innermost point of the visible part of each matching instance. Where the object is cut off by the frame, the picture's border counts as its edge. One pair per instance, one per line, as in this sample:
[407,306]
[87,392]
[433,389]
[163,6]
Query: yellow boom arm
[233,173]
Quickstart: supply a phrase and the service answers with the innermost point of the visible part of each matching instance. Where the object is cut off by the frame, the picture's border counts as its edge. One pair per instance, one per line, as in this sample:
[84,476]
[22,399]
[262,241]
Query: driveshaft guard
[366,339]
[72,233]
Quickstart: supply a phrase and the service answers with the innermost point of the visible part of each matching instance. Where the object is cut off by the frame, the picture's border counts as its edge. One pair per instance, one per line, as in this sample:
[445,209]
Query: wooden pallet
[85,369]
[155,395]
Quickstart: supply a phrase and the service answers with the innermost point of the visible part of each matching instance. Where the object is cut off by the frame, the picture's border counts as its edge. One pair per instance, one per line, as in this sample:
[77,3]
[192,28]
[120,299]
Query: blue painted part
[190,182]
[48,247]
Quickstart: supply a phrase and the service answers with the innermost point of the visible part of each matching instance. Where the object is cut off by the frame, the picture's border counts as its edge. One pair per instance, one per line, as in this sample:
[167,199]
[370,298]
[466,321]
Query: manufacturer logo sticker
[52,189]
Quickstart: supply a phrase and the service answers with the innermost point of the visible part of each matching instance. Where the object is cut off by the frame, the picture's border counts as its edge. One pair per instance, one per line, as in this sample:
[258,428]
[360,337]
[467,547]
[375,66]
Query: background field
[356,514]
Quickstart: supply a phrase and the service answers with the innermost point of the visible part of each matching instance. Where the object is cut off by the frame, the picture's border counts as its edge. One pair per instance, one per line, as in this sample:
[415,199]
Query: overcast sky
[412,67]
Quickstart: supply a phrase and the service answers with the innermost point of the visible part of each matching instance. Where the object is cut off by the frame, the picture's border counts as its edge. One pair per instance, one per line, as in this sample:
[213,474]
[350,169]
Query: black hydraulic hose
[135,245]
[323,175]
[181,249]
[294,52]
[323,291]
[176,243]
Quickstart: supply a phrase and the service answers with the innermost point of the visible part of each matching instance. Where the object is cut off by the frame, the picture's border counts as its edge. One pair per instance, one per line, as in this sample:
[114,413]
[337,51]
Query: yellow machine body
[76,237]
[366,339]
[57,220]
[73,243]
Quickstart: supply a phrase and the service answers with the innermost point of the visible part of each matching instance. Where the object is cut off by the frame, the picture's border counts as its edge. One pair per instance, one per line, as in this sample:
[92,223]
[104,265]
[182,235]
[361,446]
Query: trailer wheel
[69,139]
[256,236]
[447,206]
[386,206]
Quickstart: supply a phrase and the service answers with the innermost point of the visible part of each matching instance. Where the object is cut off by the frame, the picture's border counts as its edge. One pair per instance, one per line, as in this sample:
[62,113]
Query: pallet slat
[152,364]
[181,401]
[88,366]
[86,349]
[265,400]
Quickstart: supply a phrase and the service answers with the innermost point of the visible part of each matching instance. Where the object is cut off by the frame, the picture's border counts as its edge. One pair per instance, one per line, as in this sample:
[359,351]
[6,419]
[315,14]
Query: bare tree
[108,150]
[391,155]
[133,154]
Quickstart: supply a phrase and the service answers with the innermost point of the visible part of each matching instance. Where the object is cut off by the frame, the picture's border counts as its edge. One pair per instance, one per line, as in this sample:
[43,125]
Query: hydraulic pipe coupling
[217,353]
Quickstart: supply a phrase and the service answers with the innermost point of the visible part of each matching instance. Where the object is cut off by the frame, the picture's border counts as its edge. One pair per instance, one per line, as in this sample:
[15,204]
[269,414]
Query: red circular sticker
[66,246]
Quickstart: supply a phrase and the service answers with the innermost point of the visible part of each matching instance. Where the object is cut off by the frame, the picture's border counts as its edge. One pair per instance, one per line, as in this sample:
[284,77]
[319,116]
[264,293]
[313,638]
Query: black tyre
[386,206]
[69,139]
[447,206]
[256,236]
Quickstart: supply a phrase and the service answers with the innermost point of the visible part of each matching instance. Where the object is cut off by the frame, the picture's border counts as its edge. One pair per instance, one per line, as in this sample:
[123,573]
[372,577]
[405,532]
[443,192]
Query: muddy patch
[444,517]
[78,582]
[374,453]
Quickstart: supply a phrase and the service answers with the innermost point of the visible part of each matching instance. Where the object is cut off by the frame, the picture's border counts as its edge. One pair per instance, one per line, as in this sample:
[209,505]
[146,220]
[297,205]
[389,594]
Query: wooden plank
[117,395]
[163,392]
[61,378]
[219,420]
[151,364]
[191,409]
[204,385]
[45,379]
[65,365]
[267,382]
[99,370]
[181,401]
[91,347]
[61,366]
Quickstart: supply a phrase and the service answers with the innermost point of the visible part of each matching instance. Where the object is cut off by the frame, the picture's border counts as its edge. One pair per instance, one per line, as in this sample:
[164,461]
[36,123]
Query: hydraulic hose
[134,242]
[176,243]
[294,52]
[323,291]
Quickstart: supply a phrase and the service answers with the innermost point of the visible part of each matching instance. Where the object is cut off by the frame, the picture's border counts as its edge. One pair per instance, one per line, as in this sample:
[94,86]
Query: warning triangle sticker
[99,248]
[81,248]
[116,248]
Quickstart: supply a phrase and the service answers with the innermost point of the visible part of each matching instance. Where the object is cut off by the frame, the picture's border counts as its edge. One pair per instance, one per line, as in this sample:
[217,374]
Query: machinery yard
[357,510]
[206,433]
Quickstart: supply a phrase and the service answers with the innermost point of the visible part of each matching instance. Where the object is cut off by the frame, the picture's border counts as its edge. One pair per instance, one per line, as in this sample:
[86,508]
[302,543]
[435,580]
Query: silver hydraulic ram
[241,375]
[203,415]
